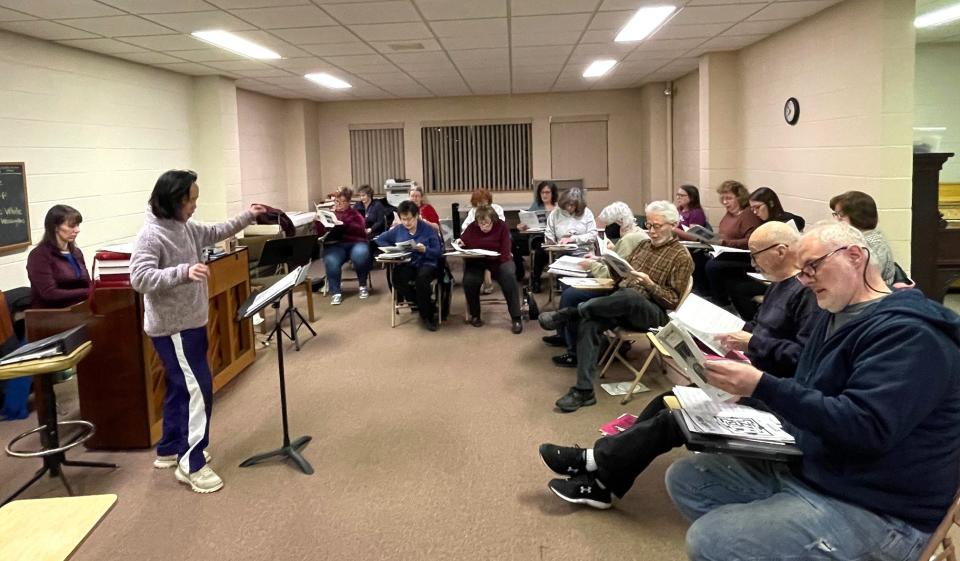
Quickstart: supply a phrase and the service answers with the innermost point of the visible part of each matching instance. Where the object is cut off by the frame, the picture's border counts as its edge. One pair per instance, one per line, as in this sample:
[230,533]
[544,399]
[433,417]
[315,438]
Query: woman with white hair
[630,236]
[570,222]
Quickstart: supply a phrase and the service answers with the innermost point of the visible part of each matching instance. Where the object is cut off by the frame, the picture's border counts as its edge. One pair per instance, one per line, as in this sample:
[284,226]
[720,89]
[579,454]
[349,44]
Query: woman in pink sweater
[487,231]
[347,240]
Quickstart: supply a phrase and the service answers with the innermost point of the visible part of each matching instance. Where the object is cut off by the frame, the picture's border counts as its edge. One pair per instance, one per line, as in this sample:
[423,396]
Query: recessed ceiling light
[599,68]
[235,44]
[938,17]
[327,81]
[644,22]
[930,129]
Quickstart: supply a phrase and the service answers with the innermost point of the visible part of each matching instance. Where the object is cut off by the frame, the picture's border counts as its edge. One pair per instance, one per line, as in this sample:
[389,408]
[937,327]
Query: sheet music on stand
[262,299]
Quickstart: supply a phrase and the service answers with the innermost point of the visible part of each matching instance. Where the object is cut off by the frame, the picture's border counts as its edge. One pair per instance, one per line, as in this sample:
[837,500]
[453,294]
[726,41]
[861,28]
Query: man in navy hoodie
[875,408]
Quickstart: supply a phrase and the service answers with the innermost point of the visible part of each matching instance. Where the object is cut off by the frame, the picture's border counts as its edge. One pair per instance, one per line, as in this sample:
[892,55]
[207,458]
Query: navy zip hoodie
[876,408]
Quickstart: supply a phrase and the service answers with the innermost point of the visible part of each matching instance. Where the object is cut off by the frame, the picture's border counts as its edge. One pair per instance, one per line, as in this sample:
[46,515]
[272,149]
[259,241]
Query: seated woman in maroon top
[487,231]
[346,241]
[58,275]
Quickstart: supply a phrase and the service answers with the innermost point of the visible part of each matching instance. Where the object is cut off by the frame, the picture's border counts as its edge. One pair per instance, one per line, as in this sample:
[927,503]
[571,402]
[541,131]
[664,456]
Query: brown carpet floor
[424,445]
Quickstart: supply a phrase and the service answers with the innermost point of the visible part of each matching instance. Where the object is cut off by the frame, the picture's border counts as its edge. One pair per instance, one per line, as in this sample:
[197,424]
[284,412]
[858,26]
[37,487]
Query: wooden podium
[121,383]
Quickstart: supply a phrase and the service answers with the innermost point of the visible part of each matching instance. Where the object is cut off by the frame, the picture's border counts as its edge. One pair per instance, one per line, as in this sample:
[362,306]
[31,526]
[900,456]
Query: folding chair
[940,547]
[396,305]
[620,336]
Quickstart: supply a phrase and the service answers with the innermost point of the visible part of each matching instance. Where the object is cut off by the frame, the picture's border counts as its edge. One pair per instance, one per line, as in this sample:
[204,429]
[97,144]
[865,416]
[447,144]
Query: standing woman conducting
[166,269]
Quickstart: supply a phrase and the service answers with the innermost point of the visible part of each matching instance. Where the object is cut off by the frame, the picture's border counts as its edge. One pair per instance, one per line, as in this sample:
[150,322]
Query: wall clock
[791,111]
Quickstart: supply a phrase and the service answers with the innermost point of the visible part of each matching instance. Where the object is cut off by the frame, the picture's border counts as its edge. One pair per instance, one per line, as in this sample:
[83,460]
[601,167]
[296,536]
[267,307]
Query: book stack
[111,265]
[568,266]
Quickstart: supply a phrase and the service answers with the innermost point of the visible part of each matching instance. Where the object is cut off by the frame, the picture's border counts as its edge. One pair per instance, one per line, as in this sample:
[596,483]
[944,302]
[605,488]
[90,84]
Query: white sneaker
[164,462]
[364,292]
[486,289]
[203,481]
[336,300]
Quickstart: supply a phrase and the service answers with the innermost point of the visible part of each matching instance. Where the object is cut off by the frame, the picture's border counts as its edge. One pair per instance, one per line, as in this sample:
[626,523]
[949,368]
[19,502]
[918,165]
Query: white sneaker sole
[186,480]
[167,464]
[589,502]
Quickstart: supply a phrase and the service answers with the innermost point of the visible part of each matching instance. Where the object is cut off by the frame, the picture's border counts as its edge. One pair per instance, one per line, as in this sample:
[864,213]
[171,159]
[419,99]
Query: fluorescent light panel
[327,81]
[599,68]
[235,44]
[938,17]
[930,129]
[644,22]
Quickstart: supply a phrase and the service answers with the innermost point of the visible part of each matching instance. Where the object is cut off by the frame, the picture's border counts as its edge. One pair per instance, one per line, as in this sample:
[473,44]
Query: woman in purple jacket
[347,240]
[58,275]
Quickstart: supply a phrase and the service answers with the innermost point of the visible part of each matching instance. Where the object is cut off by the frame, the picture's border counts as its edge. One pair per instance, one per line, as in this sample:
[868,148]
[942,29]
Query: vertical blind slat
[460,158]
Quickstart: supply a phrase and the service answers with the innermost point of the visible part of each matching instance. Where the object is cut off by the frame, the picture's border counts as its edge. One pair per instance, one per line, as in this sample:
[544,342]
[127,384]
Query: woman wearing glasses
[859,210]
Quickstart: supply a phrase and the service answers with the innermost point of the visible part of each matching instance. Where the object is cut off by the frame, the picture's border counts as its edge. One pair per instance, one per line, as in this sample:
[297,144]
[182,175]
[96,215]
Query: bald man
[772,343]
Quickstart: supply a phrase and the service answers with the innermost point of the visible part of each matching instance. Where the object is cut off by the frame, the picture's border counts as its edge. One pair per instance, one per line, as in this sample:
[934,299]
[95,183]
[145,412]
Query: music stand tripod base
[290,450]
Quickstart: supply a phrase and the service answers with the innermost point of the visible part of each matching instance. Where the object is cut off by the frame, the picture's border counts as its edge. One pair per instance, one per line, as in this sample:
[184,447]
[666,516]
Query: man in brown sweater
[662,270]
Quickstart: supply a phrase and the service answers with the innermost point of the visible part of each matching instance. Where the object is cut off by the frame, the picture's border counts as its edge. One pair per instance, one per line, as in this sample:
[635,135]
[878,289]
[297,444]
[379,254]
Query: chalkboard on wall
[14,211]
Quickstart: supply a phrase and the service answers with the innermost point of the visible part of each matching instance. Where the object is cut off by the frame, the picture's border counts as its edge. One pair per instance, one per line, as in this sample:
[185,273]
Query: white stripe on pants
[197,414]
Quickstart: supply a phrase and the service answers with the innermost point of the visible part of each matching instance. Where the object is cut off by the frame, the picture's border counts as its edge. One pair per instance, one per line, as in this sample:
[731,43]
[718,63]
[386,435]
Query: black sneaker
[476,322]
[575,399]
[554,340]
[565,360]
[516,327]
[430,324]
[564,460]
[582,489]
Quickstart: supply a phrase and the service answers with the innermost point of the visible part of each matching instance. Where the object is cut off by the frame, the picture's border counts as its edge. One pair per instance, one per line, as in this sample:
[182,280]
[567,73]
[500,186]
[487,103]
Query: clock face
[791,111]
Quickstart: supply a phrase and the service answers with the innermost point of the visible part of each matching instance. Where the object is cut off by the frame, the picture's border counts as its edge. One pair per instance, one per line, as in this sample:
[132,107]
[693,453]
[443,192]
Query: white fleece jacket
[164,251]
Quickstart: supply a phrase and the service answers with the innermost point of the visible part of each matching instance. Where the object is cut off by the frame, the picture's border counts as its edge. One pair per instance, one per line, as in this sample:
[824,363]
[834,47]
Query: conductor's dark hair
[57,215]
[170,191]
[409,208]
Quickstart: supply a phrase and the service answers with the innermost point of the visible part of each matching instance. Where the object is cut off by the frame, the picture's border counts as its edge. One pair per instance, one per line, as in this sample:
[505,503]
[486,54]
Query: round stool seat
[87,429]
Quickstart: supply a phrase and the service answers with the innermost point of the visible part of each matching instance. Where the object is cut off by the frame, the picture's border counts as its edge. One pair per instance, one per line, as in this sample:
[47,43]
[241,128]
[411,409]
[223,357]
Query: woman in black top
[372,210]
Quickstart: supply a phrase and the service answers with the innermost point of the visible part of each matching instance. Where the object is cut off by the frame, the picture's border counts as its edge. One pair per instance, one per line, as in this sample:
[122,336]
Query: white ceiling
[941,33]
[409,48]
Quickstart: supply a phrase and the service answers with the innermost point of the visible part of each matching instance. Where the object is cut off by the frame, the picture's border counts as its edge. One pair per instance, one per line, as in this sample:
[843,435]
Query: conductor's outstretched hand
[257,210]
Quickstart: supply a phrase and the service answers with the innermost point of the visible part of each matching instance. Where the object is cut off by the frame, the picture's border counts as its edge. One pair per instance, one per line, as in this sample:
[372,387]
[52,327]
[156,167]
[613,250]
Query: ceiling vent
[406,46]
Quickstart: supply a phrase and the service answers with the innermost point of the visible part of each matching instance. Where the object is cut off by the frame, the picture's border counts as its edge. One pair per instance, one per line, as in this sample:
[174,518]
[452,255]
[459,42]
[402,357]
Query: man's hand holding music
[733,377]
[737,341]
[198,272]
[421,248]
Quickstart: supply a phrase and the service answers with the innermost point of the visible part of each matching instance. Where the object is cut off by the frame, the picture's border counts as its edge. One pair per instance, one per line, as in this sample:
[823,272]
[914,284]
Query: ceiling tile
[421,58]
[238,65]
[57,9]
[266,39]
[117,26]
[263,73]
[148,58]
[207,55]
[374,12]
[315,35]
[335,49]
[236,4]
[155,7]
[791,10]
[106,46]
[10,15]
[480,58]
[289,16]
[727,44]
[200,21]
[469,42]
[672,31]
[610,20]
[537,7]
[392,31]
[541,54]
[45,30]
[544,38]
[166,42]
[715,14]
[668,44]
[302,65]
[759,27]
[476,27]
[544,24]
[632,5]
[406,46]
[605,36]
[662,54]
[445,9]
[189,68]
[613,50]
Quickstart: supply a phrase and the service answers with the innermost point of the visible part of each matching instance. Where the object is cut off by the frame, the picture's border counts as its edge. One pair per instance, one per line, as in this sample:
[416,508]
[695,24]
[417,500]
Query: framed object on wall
[14,208]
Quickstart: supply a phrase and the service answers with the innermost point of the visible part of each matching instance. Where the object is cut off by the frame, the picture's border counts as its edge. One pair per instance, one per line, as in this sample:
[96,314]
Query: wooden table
[49,529]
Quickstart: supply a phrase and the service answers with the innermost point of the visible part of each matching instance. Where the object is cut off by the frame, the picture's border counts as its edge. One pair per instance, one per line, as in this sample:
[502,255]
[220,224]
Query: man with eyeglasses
[772,343]
[662,271]
[875,408]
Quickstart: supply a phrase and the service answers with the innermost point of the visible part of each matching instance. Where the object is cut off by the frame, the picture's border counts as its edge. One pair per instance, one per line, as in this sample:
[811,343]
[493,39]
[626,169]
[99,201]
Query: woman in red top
[427,212]
[347,240]
[58,276]
[487,231]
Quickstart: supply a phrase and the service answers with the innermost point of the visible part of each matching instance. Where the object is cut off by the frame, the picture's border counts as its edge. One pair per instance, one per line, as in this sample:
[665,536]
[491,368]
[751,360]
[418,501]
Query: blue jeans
[758,510]
[334,256]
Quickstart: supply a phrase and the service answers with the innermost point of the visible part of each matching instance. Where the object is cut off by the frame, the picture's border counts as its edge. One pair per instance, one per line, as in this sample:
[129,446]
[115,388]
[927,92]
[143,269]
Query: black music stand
[292,252]
[271,296]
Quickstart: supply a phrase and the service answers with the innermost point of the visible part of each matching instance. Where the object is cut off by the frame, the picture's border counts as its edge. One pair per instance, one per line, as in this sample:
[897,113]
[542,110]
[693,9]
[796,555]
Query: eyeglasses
[653,226]
[809,271]
[754,254]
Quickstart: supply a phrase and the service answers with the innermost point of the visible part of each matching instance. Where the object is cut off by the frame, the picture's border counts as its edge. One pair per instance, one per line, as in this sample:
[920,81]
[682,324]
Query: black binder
[62,343]
[714,444]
